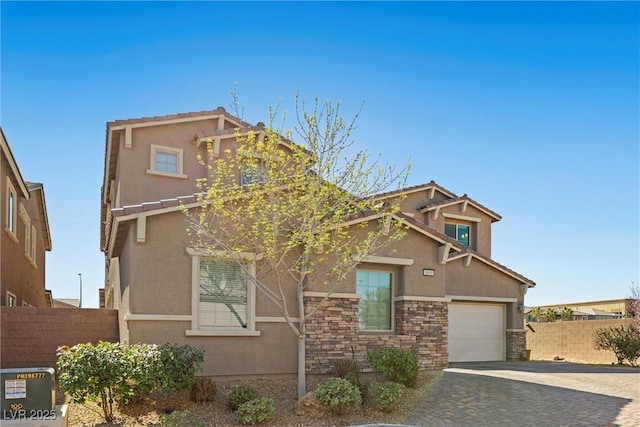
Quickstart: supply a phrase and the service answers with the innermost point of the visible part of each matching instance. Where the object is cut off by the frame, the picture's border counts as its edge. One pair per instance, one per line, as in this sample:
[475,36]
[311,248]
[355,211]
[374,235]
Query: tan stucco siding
[141,186]
[161,279]
[485,283]
[273,352]
[413,201]
[480,231]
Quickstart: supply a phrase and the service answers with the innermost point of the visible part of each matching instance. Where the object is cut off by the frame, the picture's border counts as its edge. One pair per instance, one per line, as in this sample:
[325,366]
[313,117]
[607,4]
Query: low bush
[397,365]
[256,411]
[339,394]
[384,396]
[203,389]
[108,372]
[241,394]
[623,341]
[180,364]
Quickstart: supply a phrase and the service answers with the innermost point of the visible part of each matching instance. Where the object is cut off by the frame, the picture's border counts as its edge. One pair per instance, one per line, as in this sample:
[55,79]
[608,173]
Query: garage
[476,332]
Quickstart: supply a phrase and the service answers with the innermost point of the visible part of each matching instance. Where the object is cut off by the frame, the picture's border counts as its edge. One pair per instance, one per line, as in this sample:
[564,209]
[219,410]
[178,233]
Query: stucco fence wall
[570,340]
[29,336]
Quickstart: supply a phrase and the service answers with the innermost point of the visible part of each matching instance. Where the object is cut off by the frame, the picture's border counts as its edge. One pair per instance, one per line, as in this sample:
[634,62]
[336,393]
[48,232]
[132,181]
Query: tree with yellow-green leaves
[301,216]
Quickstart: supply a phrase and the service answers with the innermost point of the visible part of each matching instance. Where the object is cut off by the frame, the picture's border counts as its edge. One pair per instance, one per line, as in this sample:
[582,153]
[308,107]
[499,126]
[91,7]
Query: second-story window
[253,175]
[12,198]
[460,232]
[166,161]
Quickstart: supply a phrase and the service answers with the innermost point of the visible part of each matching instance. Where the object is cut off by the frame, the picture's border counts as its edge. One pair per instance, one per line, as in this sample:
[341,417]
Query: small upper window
[253,175]
[166,161]
[460,232]
[24,217]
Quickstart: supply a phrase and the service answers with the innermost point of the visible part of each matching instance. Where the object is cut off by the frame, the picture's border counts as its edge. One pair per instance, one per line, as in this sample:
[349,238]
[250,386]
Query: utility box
[27,390]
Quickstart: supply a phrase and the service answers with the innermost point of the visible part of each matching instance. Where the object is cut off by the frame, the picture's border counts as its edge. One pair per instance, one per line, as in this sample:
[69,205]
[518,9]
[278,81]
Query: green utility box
[27,390]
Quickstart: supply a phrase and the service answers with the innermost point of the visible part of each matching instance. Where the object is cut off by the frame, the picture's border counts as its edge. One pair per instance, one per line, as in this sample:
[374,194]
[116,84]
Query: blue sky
[532,109]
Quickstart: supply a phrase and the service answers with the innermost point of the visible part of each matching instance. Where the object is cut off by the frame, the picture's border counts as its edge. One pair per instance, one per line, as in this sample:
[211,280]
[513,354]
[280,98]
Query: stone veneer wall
[333,333]
[516,344]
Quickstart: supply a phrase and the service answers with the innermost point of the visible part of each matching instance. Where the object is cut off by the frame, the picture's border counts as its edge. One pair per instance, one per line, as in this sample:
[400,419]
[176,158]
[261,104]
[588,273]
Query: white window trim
[392,302]
[34,243]
[11,211]
[26,222]
[179,152]
[195,330]
[15,299]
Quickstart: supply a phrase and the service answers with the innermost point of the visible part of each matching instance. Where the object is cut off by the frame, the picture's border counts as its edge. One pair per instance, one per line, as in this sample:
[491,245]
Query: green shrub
[181,419]
[385,396]
[357,381]
[397,365]
[339,394]
[256,411]
[203,389]
[180,364]
[241,394]
[110,372]
[624,341]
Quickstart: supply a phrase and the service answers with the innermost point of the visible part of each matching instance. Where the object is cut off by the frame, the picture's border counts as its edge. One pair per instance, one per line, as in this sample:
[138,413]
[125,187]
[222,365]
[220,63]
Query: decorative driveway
[532,394]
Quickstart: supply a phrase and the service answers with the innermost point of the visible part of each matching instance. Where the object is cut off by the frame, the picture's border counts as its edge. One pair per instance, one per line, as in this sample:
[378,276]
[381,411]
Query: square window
[460,232]
[375,307]
[166,161]
[253,175]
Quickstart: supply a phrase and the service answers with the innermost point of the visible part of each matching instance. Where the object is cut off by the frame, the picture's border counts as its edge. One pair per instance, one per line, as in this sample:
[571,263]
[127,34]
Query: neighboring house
[25,237]
[447,299]
[590,310]
[66,303]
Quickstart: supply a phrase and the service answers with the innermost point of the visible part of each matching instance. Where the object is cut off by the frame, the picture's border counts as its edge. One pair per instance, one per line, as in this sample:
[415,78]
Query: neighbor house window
[26,221]
[223,294]
[375,307]
[166,161]
[253,175]
[12,198]
[33,244]
[460,232]
[11,299]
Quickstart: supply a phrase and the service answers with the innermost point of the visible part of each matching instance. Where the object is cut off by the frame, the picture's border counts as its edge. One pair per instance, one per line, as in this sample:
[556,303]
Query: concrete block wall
[30,336]
[333,333]
[570,340]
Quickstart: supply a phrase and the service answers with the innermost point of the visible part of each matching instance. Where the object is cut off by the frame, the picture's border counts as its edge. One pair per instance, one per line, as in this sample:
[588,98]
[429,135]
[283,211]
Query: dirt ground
[217,413]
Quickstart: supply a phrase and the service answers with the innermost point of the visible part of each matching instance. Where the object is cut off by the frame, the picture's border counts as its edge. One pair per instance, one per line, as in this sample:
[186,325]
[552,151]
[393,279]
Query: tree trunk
[302,372]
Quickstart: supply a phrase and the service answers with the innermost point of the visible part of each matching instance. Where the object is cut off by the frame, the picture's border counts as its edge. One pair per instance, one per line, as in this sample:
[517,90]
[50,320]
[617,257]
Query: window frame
[11,296]
[26,221]
[199,330]
[457,232]
[34,245]
[155,149]
[392,287]
[11,211]
[261,175]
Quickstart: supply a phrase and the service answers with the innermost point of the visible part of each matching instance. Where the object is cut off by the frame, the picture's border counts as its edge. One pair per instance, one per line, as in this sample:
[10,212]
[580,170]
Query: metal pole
[80,303]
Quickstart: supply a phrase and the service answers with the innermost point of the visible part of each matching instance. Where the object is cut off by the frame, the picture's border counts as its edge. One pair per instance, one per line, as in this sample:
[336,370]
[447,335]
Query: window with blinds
[223,294]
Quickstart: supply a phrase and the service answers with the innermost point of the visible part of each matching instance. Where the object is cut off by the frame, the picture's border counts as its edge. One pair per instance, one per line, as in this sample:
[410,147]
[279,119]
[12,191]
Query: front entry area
[476,332]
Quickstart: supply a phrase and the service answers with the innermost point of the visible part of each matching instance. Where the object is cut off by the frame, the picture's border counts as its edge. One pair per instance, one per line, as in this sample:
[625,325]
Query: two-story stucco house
[25,236]
[447,298]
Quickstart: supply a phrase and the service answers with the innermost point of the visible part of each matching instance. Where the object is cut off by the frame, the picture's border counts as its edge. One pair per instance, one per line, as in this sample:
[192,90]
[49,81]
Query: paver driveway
[532,394]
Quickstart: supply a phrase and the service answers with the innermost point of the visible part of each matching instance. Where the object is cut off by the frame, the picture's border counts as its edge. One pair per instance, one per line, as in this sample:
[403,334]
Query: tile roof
[194,114]
[414,188]
[432,205]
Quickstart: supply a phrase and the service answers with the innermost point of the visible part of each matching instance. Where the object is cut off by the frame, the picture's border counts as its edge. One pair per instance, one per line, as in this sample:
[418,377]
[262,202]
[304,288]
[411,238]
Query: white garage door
[476,332]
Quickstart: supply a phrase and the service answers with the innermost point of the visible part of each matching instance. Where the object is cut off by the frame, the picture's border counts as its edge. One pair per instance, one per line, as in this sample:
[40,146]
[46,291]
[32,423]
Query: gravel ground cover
[217,413]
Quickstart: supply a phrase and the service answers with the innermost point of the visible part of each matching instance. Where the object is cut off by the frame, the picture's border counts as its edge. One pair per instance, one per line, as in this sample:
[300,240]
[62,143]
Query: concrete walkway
[532,394]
